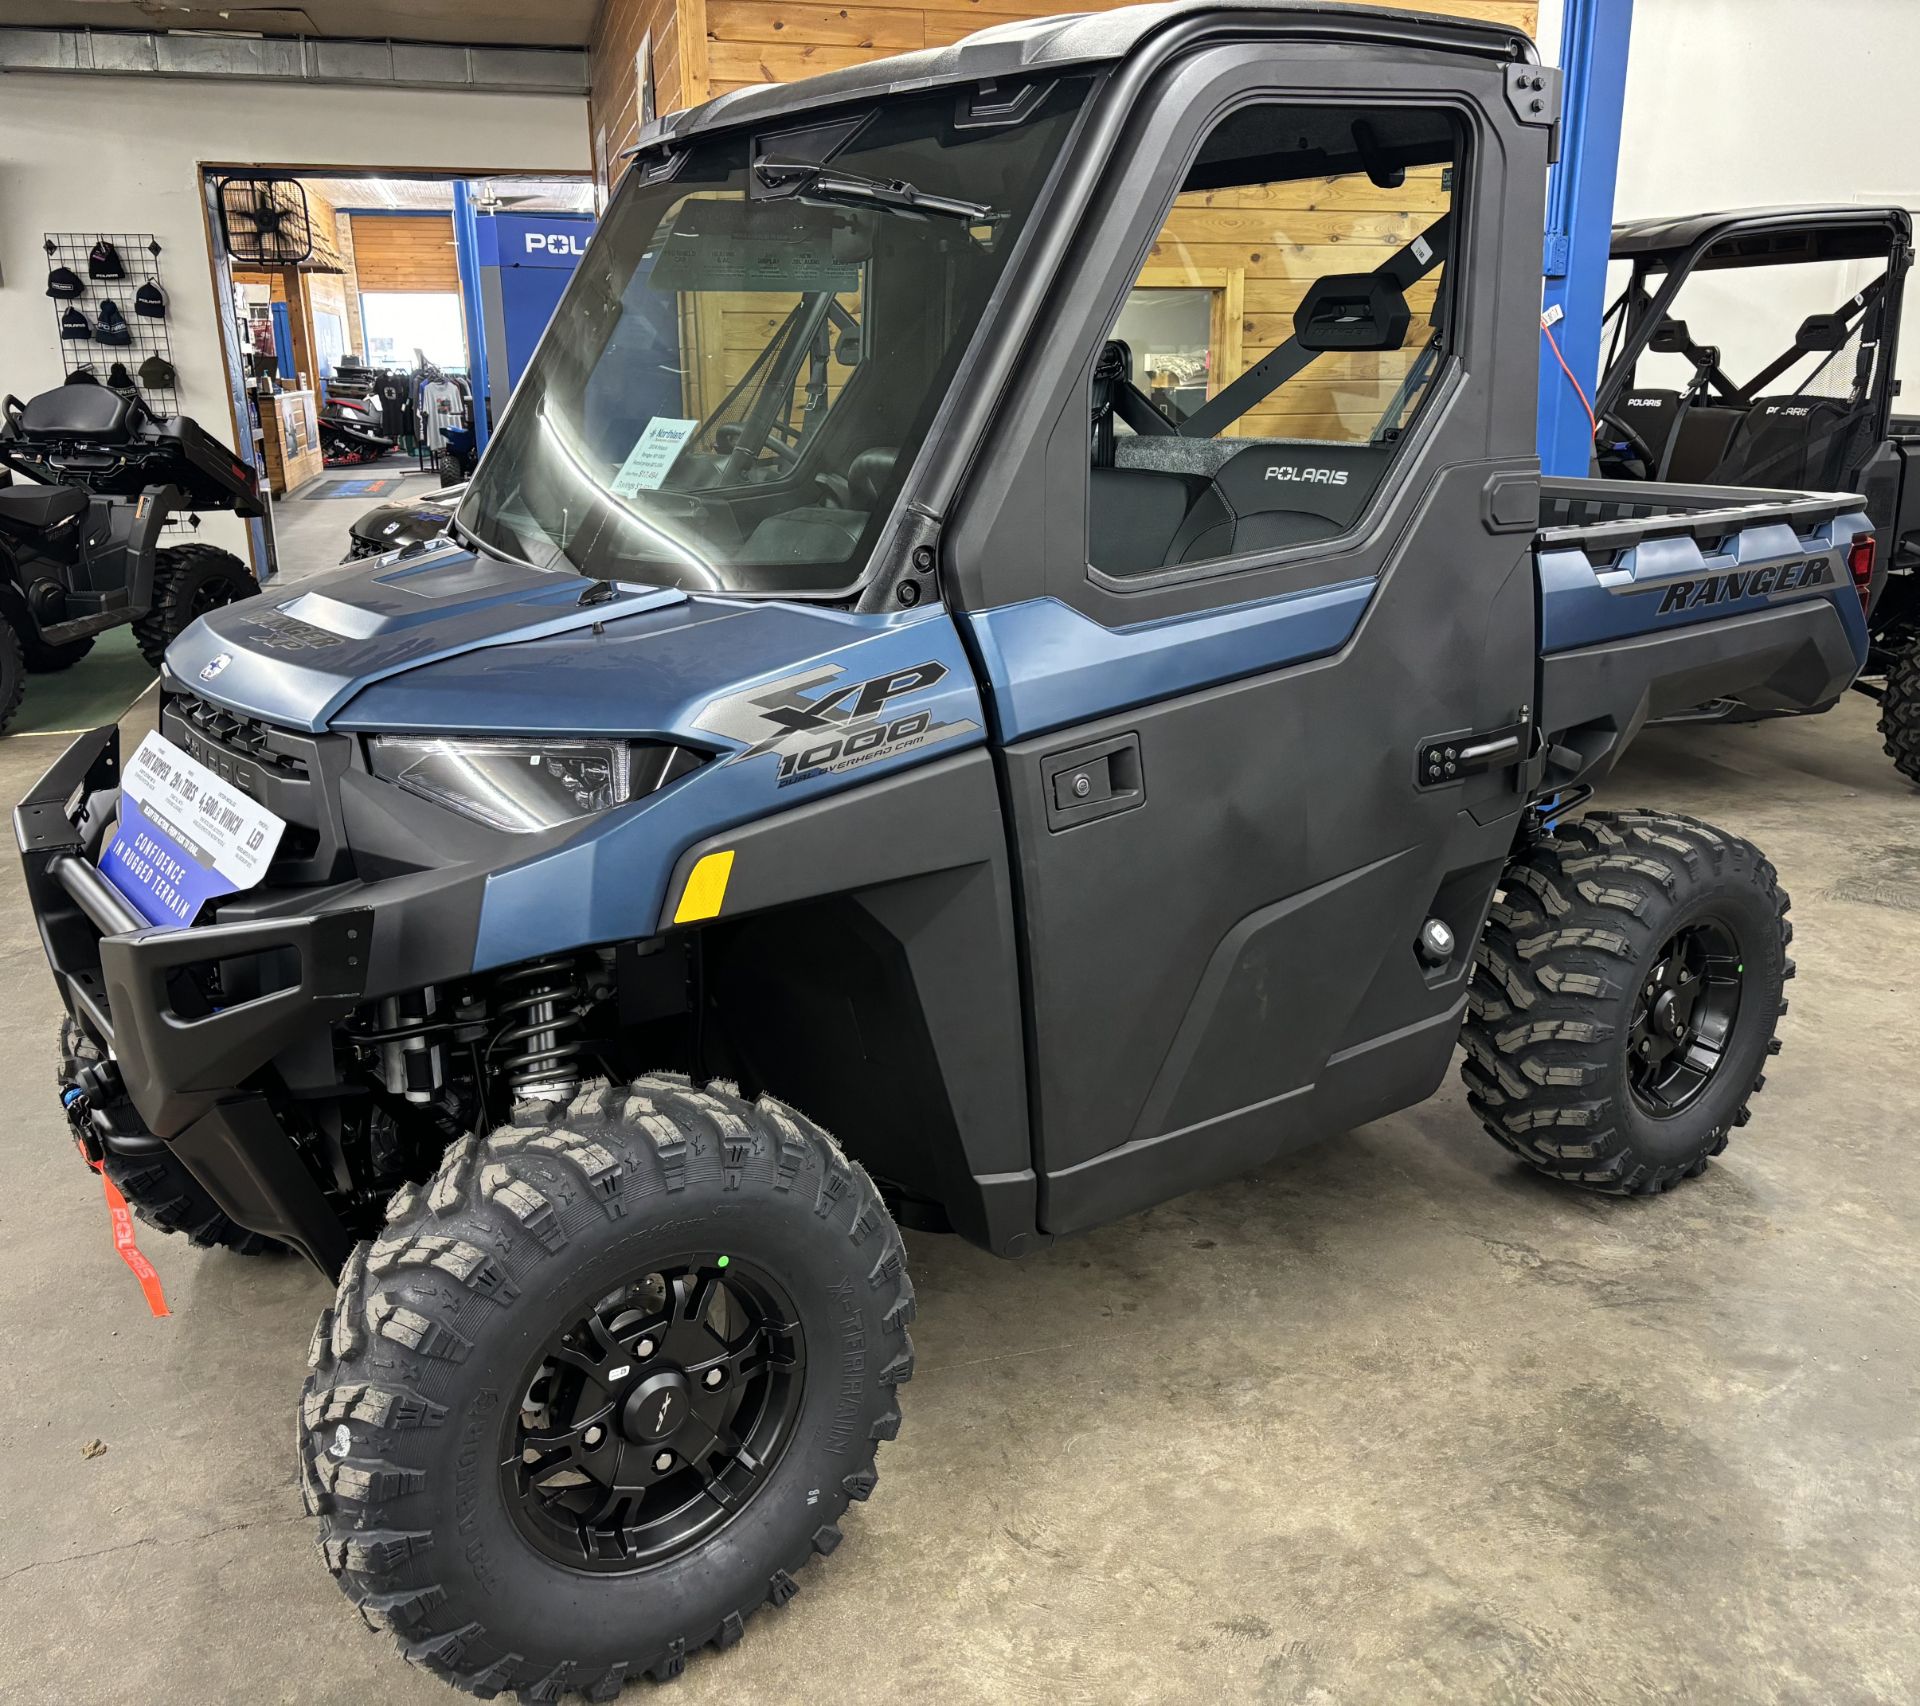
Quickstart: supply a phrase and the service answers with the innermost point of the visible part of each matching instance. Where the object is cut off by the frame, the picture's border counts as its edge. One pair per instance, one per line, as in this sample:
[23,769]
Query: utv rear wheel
[1624,999]
[604,1386]
[1900,710]
[43,659]
[157,1187]
[188,581]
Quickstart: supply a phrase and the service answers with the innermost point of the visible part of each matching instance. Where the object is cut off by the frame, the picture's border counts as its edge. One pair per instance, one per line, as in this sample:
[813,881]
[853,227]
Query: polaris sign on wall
[525,262]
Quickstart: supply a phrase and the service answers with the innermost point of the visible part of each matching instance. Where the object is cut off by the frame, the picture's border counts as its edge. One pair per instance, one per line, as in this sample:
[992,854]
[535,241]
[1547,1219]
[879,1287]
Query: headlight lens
[516,785]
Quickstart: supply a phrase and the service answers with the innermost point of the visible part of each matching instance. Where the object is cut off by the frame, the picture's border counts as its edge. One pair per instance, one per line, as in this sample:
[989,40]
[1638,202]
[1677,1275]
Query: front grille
[295,776]
[358,548]
[243,737]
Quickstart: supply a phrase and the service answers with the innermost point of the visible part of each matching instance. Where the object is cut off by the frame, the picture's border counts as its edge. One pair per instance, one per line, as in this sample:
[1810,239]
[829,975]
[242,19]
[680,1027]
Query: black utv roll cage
[1673,250]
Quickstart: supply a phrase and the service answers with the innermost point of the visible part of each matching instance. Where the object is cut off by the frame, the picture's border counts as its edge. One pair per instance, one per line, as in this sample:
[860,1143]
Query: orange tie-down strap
[122,1220]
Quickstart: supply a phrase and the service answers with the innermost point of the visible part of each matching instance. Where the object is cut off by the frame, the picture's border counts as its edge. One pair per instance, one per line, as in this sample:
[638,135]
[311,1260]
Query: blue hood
[296,660]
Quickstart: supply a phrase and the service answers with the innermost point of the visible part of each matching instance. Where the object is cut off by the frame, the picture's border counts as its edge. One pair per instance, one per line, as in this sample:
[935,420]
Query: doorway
[376,322]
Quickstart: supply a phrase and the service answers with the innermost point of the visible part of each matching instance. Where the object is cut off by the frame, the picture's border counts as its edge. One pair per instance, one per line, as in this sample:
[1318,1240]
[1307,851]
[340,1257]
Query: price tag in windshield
[652,455]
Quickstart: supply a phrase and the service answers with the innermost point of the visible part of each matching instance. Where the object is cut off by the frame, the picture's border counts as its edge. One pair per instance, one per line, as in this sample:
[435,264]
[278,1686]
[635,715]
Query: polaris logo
[1644,403]
[1308,476]
[215,665]
[1744,583]
[554,243]
[1793,414]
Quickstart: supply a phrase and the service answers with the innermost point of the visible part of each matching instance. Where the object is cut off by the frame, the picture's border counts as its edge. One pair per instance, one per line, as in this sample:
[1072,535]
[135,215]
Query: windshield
[739,377]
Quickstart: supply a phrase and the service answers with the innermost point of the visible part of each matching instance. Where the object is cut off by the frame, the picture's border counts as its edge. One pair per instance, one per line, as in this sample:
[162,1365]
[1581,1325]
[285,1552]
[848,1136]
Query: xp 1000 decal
[819,723]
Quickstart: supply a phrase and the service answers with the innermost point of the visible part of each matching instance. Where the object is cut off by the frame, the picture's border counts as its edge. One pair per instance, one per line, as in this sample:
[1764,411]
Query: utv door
[1261,658]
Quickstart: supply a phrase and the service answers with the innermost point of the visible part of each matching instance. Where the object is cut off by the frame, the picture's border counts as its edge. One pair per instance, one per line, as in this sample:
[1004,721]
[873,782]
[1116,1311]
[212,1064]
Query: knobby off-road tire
[157,1187]
[1900,711]
[412,1426]
[13,671]
[188,581]
[1594,926]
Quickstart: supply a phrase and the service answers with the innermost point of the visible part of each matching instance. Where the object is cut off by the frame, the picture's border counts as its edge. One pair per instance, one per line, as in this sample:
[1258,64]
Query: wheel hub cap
[657,1407]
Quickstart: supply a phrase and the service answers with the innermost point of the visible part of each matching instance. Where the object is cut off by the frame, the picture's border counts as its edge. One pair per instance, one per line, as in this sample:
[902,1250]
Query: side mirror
[1352,311]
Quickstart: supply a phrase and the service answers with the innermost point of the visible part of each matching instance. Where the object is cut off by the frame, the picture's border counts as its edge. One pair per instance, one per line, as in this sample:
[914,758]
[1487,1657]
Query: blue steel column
[1593,60]
[466,252]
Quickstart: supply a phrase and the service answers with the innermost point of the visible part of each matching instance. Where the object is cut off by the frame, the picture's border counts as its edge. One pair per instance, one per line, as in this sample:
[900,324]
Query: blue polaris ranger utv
[1010,658]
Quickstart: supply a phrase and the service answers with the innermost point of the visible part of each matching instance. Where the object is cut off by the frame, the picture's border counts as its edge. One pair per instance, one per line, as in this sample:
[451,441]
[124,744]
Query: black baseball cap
[156,373]
[150,300]
[64,282]
[73,324]
[103,261]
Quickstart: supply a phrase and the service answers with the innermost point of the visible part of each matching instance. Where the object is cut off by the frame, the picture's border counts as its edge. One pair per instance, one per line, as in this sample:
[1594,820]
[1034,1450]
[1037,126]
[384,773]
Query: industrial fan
[264,221]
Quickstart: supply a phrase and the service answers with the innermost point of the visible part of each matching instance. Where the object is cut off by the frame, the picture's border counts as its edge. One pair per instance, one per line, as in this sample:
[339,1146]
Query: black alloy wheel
[655,1415]
[1683,1017]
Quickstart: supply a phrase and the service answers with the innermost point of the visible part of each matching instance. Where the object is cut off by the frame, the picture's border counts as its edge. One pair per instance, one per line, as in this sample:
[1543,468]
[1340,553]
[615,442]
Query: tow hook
[79,1110]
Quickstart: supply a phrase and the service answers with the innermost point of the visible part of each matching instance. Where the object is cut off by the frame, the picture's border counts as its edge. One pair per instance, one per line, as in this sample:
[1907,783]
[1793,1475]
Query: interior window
[1285,329]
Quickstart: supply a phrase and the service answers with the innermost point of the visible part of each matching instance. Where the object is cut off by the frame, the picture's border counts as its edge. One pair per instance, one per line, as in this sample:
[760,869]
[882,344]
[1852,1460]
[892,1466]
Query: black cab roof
[1765,236]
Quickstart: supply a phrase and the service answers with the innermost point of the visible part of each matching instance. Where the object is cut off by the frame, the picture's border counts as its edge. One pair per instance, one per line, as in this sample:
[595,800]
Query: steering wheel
[1638,445]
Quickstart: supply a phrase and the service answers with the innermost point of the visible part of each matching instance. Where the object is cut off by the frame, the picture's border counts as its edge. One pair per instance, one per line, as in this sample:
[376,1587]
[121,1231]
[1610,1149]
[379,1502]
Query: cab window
[1280,339]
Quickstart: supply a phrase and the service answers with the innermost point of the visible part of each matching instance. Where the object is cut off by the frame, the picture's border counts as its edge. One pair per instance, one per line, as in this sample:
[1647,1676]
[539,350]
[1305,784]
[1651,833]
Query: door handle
[1091,782]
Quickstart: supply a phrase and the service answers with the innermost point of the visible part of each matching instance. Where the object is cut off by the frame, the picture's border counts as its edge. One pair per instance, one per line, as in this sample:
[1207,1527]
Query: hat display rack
[147,337]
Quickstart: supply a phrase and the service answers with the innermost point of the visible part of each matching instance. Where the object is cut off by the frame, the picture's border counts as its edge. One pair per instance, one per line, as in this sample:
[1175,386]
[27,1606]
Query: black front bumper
[186,1072]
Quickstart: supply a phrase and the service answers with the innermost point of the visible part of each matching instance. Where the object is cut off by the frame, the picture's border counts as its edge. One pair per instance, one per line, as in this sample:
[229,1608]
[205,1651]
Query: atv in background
[79,548]
[1816,415]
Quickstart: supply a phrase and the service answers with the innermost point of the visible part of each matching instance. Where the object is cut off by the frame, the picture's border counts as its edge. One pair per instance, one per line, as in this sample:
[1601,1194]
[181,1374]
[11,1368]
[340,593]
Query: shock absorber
[538,1046]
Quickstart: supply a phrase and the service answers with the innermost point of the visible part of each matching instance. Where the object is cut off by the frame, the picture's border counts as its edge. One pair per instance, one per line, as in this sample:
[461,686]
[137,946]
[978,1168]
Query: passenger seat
[1799,443]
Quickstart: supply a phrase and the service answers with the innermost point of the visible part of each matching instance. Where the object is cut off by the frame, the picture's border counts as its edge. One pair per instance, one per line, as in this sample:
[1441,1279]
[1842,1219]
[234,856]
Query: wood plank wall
[404,252]
[769,41]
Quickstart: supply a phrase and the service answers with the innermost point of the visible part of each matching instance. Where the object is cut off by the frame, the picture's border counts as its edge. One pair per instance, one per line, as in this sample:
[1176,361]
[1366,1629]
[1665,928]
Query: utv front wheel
[604,1386]
[1624,999]
[188,581]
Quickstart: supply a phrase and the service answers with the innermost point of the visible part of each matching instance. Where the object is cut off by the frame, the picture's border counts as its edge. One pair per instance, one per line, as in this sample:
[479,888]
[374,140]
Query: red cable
[1546,332]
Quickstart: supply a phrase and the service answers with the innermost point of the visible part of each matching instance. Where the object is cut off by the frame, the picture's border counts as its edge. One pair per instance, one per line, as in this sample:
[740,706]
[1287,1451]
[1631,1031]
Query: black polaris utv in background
[1817,413]
[80,547]
[913,733]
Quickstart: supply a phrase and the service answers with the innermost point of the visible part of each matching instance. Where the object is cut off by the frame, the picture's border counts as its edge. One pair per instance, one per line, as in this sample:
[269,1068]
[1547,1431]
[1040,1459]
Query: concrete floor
[1393,1421]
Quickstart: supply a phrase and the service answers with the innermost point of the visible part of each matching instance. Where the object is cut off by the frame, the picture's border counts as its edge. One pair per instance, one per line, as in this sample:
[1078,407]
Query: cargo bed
[1661,601]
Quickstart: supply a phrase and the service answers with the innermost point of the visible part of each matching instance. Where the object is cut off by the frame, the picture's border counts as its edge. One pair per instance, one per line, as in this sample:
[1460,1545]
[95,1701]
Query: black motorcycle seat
[30,511]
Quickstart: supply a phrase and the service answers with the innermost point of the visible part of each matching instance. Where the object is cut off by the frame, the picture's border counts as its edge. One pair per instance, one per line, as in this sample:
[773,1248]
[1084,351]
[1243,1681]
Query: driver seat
[824,533]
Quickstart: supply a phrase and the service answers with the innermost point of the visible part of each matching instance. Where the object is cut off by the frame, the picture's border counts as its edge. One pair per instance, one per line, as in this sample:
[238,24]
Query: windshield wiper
[816,181]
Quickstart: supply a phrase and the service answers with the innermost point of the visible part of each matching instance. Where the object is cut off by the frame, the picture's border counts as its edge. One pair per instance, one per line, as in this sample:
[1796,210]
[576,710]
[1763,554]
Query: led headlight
[515,785]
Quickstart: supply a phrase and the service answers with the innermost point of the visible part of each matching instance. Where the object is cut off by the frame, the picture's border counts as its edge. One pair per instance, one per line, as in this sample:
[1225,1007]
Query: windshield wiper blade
[819,182]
